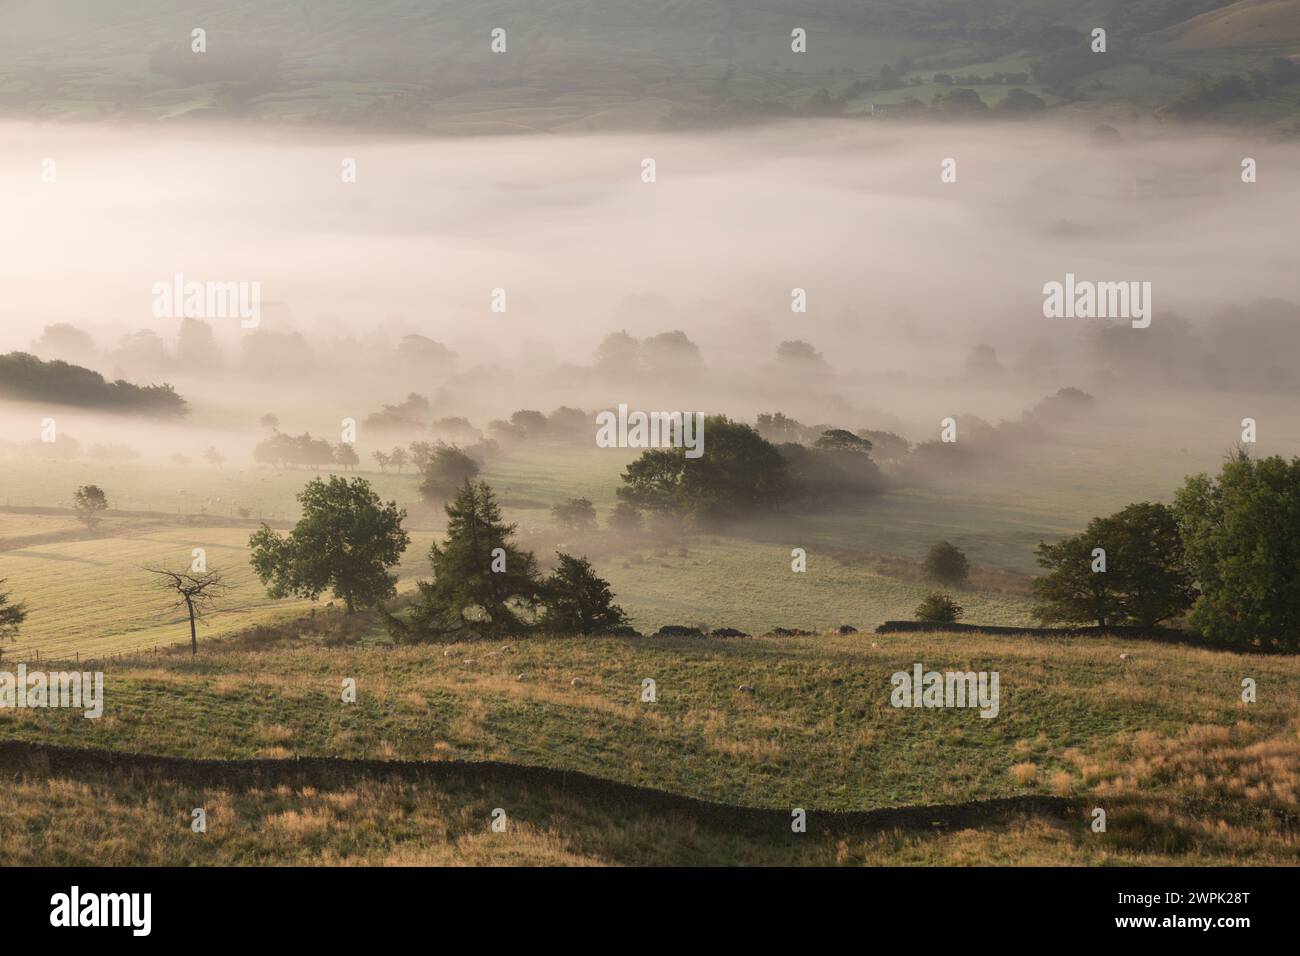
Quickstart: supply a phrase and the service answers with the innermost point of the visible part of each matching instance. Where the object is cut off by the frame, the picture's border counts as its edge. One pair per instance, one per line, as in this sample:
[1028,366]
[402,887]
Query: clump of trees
[346,540]
[1227,551]
[289,451]
[947,564]
[483,583]
[24,376]
[740,472]
[413,413]
[838,467]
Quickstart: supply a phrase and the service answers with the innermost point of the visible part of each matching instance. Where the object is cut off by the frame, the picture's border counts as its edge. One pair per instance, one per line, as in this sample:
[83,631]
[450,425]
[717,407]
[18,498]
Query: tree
[1241,535]
[625,518]
[398,458]
[959,100]
[346,456]
[421,454]
[939,608]
[196,348]
[1071,591]
[838,439]
[480,578]
[421,353]
[197,592]
[576,514]
[1020,101]
[448,469]
[1144,581]
[66,342]
[529,422]
[11,615]
[577,600]
[382,459]
[566,422]
[270,422]
[213,457]
[946,564]
[346,540]
[88,502]
[618,354]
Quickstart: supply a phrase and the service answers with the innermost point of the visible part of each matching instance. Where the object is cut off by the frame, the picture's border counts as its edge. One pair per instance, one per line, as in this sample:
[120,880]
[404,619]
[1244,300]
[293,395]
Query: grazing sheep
[522,677]
[1123,657]
[470,660]
[747,688]
[576,682]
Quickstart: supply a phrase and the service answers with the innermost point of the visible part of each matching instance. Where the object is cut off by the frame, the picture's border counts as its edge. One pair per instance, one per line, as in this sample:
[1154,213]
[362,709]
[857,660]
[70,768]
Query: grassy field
[1187,772]
[87,593]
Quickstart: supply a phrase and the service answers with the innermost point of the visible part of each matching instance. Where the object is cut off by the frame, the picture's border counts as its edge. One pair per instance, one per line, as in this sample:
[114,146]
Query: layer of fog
[904,274]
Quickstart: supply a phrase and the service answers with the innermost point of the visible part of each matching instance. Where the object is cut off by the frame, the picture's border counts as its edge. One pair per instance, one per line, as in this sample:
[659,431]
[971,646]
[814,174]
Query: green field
[87,592]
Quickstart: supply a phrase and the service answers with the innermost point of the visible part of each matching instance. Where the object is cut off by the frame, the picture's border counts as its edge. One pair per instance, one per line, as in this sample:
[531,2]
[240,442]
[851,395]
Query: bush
[938,608]
[946,564]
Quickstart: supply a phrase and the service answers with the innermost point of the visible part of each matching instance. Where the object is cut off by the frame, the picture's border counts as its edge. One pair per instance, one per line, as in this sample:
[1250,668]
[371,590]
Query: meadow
[88,594]
[1159,738]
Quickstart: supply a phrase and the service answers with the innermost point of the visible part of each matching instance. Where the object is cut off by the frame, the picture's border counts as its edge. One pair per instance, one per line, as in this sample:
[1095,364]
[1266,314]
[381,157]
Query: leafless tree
[197,592]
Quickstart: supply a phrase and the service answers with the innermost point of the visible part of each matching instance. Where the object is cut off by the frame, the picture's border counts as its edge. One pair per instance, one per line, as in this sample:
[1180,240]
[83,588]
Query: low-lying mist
[905,275]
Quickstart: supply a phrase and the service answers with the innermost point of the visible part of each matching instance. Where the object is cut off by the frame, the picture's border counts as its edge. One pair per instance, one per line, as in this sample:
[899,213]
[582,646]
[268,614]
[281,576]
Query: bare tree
[196,592]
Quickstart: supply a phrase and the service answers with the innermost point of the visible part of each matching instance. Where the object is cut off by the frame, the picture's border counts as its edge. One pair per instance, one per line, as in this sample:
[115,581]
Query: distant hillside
[427,66]
[1272,24]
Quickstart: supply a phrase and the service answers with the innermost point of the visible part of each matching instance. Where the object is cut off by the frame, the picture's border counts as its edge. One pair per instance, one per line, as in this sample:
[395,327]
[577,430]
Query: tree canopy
[346,540]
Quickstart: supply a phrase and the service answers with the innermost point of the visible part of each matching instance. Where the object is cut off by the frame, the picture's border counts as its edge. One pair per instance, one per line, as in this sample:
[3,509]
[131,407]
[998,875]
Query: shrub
[938,608]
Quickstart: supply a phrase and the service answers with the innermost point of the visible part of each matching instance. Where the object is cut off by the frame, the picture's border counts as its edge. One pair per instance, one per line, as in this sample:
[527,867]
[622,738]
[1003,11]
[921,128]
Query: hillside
[425,65]
[1256,24]
[1186,772]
